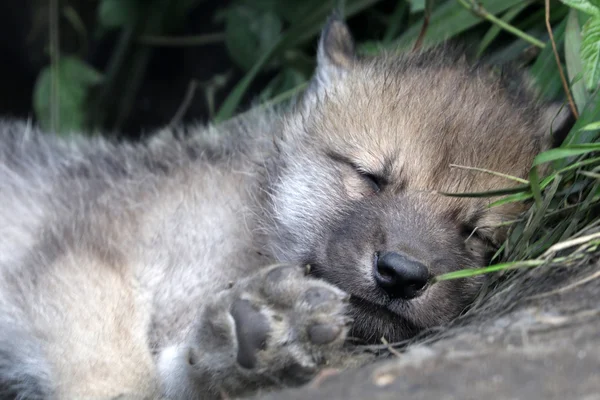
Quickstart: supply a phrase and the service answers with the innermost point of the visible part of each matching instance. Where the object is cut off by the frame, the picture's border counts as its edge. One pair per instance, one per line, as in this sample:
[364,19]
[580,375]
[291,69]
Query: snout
[399,275]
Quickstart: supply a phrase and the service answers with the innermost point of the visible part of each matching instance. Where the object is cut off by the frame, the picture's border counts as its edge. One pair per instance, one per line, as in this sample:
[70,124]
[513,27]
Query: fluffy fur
[174,267]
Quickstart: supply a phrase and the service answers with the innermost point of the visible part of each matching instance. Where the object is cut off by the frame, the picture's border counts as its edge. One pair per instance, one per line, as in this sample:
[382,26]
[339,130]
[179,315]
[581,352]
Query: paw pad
[317,295]
[278,274]
[323,333]
[252,330]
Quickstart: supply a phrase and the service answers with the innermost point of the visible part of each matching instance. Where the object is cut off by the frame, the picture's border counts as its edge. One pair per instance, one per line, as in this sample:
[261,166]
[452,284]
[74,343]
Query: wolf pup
[177,267]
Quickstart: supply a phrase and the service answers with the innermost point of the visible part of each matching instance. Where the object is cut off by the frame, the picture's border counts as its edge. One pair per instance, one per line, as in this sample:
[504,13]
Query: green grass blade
[515,198]
[534,183]
[490,193]
[545,72]
[467,273]
[487,171]
[573,60]
[565,152]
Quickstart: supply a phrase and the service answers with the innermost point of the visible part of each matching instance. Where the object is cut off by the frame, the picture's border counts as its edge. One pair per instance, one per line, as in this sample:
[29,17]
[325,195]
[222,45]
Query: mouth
[357,300]
[373,321]
[377,307]
[375,314]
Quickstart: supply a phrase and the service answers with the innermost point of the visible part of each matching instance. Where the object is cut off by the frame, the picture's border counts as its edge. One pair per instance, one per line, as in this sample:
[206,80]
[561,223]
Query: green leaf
[589,115]
[495,30]
[395,22]
[417,6]
[287,79]
[591,7]
[573,60]
[249,33]
[74,78]
[594,126]
[114,14]
[293,11]
[298,33]
[590,52]
[545,71]
[448,20]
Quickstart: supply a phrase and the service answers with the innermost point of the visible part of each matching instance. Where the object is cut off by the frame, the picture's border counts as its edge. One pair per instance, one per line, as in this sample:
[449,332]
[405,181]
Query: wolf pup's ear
[336,51]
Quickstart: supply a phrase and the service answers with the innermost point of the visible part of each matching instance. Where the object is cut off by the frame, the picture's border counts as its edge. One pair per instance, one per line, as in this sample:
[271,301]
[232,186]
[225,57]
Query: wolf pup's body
[151,270]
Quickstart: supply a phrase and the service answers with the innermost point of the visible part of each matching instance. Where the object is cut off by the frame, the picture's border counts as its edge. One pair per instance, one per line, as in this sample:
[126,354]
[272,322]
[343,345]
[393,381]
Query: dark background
[147,87]
[169,70]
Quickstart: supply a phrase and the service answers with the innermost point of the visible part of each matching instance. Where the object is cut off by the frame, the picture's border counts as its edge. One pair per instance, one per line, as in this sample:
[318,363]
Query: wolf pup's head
[363,159]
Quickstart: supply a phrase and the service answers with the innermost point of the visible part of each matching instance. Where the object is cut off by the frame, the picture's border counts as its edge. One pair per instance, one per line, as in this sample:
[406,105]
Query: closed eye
[374,181]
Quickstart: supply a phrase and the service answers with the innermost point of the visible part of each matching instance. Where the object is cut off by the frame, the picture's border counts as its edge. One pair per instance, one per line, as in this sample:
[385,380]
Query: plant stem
[478,10]
[182,41]
[185,104]
[288,94]
[54,60]
[395,22]
[487,171]
[559,65]
[426,17]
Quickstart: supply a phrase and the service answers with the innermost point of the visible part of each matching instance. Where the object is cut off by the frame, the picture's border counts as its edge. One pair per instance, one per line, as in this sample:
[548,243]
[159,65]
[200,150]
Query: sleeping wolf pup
[177,267]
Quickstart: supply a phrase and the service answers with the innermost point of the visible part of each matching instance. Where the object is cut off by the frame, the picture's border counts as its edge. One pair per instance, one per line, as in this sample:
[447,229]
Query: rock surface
[546,347]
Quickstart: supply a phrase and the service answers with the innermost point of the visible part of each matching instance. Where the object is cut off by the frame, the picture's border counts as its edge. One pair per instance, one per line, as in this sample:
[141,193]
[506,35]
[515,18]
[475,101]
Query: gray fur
[153,270]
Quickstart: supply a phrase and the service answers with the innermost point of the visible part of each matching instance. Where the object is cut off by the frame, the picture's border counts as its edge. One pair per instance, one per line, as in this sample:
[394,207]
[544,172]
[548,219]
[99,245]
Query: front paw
[285,320]
[278,327]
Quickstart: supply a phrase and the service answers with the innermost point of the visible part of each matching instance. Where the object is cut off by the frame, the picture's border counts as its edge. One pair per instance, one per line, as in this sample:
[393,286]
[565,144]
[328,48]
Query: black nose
[400,276]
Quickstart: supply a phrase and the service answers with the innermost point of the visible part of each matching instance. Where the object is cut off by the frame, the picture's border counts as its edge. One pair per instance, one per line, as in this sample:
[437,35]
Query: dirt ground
[544,348]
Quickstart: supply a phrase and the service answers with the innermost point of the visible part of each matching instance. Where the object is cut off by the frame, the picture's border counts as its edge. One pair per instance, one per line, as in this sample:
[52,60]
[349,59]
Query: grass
[565,210]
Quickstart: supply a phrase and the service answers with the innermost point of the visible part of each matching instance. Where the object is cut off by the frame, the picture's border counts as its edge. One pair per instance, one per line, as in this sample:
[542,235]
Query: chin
[374,322]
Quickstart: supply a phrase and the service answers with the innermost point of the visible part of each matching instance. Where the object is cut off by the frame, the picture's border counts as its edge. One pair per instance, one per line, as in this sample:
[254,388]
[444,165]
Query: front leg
[274,329]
